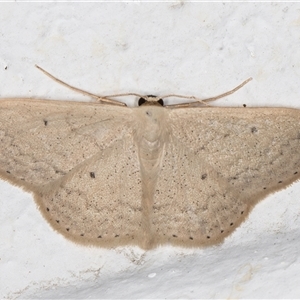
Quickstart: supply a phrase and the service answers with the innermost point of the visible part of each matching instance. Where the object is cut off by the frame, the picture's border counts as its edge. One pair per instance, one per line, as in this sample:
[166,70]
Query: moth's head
[151,100]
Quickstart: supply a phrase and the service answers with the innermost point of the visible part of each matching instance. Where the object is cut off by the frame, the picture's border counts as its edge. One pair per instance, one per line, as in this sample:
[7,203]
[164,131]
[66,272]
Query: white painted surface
[200,49]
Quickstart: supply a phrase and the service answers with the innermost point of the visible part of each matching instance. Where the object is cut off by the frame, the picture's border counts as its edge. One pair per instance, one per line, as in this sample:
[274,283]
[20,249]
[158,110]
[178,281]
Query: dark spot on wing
[253,129]
[92,174]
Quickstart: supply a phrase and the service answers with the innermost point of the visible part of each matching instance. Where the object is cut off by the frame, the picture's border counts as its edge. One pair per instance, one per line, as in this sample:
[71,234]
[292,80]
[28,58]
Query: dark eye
[161,102]
[142,101]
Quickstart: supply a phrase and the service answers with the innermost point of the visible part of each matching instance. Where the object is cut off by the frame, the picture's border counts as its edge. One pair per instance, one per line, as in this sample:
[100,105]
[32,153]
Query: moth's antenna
[228,93]
[198,101]
[99,98]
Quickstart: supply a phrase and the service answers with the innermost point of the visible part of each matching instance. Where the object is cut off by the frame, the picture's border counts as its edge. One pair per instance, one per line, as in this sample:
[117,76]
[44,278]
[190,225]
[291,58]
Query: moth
[108,175]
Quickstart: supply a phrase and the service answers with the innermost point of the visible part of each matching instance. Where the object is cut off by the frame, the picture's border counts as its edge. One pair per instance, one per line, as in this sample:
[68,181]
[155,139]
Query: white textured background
[200,49]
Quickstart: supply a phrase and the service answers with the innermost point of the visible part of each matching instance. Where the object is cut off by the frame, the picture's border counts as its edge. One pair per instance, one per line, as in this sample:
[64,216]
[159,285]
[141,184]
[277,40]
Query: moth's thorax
[151,133]
[151,123]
